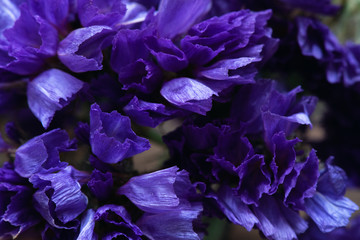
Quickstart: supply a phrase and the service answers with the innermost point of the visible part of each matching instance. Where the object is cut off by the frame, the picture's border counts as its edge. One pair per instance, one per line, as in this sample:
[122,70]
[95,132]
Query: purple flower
[41,153]
[111,137]
[131,60]
[28,43]
[100,184]
[17,213]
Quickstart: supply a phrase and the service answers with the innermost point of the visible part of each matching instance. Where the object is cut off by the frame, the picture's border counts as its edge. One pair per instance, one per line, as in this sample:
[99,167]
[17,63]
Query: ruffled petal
[111,137]
[278,222]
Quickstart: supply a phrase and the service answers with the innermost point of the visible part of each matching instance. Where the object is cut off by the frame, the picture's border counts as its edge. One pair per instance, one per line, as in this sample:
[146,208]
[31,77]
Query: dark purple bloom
[41,153]
[9,12]
[100,184]
[16,211]
[261,107]
[28,43]
[238,41]
[284,157]
[349,232]
[131,60]
[81,50]
[59,199]
[316,40]
[111,137]
[221,36]
[351,70]
[51,91]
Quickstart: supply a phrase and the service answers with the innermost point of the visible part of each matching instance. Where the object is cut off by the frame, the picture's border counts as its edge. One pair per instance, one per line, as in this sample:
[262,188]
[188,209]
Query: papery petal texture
[51,91]
[59,198]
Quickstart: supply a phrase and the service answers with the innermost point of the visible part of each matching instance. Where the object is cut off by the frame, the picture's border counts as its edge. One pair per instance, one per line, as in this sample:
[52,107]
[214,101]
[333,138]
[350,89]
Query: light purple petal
[235,209]
[329,213]
[87,226]
[51,91]
[171,225]
[189,94]
[153,192]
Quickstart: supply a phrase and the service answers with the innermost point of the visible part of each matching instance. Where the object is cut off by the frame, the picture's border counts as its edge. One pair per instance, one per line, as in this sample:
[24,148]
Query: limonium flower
[88,86]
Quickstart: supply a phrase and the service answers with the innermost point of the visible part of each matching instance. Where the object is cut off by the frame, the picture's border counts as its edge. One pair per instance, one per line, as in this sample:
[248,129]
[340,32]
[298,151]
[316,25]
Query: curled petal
[41,154]
[111,137]
[189,94]
[81,50]
[51,91]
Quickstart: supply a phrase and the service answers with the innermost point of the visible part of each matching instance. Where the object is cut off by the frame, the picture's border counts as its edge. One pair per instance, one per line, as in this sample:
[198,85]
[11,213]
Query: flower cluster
[87,85]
